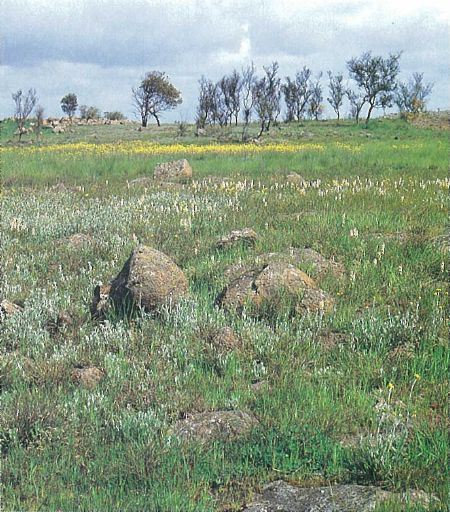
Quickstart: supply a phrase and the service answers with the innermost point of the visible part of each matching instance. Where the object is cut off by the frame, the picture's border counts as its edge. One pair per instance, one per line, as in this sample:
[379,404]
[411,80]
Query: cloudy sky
[99,49]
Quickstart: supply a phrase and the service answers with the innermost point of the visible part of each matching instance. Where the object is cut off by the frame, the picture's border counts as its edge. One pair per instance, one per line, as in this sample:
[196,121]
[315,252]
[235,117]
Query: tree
[376,77]
[205,106]
[23,106]
[267,93]
[69,104]
[297,93]
[315,107]
[337,92]
[356,104]
[154,95]
[411,96]
[39,113]
[248,97]
[88,113]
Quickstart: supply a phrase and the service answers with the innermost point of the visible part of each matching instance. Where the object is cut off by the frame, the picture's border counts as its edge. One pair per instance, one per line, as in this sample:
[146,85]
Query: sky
[100,49]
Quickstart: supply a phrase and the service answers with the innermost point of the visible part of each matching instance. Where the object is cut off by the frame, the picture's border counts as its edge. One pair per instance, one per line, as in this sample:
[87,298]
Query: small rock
[224,339]
[99,305]
[8,309]
[206,427]
[173,171]
[247,236]
[77,240]
[296,179]
[149,279]
[280,496]
[315,301]
[87,377]
[145,181]
[63,320]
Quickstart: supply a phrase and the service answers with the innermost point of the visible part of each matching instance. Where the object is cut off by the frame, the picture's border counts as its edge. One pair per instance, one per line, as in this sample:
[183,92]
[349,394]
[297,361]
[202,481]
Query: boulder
[8,309]
[207,427]
[245,236]
[304,257]
[280,496]
[87,377]
[266,284]
[296,179]
[58,129]
[178,170]
[149,279]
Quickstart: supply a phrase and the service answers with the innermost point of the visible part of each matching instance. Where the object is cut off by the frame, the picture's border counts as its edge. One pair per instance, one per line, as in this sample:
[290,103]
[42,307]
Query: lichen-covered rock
[245,236]
[272,283]
[8,308]
[178,170]
[280,496]
[87,377]
[224,339]
[148,280]
[296,179]
[206,427]
[304,258]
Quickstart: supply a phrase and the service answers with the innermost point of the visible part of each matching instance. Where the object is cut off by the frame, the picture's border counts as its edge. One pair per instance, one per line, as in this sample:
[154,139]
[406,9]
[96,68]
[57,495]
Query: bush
[115,116]
[89,112]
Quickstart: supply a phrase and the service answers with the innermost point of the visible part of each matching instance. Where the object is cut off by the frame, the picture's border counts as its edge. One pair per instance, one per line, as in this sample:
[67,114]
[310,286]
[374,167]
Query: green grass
[68,448]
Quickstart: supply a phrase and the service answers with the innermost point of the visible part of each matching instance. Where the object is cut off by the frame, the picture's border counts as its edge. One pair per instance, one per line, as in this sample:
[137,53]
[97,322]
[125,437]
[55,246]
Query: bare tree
[205,105]
[248,97]
[376,77]
[235,85]
[39,113]
[23,106]
[154,95]
[297,94]
[357,102]
[337,92]
[411,96]
[315,106]
[267,92]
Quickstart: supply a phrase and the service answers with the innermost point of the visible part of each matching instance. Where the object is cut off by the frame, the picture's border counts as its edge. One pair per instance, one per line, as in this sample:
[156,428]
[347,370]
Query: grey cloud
[100,48]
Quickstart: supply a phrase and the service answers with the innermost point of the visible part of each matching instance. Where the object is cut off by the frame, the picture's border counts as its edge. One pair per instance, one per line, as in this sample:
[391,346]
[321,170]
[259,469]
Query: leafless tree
[412,96]
[267,93]
[357,102]
[23,106]
[337,92]
[248,97]
[297,93]
[315,106]
[39,113]
[205,105]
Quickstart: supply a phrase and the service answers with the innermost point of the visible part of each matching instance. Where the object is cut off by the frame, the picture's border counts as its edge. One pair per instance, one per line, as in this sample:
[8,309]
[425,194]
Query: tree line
[246,96]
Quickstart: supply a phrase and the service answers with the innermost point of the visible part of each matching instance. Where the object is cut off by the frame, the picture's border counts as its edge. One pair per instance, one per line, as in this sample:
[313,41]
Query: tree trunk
[157,119]
[368,114]
[144,121]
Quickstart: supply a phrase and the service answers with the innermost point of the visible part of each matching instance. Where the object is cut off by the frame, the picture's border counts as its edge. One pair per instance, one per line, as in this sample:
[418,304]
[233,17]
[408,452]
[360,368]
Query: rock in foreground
[177,170]
[149,279]
[270,285]
[280,496]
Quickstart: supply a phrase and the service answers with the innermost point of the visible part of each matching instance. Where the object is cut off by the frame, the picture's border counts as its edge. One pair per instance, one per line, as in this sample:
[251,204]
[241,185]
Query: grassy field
[359,395]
